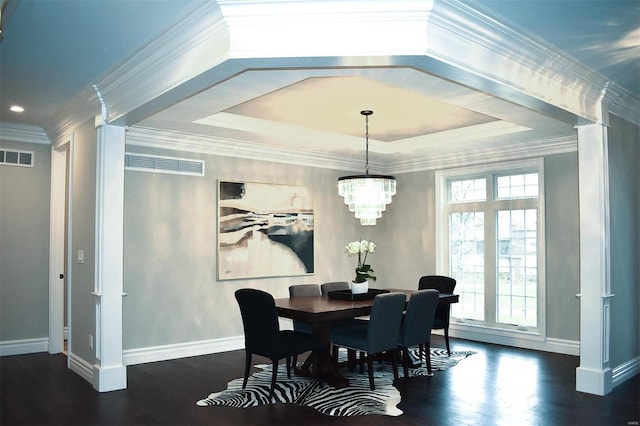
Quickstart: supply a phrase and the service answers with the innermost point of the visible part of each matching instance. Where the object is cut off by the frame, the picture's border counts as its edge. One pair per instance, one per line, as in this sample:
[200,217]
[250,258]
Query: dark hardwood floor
[497,386]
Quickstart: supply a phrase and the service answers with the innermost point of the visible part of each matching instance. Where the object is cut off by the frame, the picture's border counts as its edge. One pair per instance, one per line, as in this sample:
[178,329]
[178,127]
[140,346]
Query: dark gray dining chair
[303,290]
[377,335]
[416,326]
[262,335]
[446,285]
[333,286]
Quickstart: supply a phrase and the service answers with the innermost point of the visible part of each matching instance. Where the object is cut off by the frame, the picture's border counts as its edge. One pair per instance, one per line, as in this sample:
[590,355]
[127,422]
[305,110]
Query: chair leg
[274,373]
[362,359]
[405,362]
[370,368]
[421,352]
[395,364]
[446,339]
[428,355]
[288,367]
[247,367]
[317,359]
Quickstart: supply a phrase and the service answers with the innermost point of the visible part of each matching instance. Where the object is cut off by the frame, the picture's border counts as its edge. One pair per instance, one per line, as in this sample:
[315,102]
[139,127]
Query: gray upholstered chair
[334,286]
[416,325]
[262,334]
[377,335]
[443,284]
[303,290]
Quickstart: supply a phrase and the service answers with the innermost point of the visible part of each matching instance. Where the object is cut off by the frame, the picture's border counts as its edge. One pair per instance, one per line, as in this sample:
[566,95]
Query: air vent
[16,158]
[160,164]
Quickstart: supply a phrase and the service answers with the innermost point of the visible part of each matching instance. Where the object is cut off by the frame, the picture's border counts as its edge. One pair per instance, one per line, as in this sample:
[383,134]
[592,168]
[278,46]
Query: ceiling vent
[161,164]
[10,157]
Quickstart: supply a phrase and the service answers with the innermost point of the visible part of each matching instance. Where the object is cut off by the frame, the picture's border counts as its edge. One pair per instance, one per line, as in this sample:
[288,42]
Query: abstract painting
[264,230]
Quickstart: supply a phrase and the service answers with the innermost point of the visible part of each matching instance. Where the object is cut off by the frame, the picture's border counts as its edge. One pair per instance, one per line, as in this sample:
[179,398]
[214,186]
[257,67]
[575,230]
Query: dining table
[321,311]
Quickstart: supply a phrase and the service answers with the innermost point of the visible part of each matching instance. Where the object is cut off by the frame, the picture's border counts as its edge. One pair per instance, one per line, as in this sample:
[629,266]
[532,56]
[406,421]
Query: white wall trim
[550,344]
[182,350]
[24,346]
[186,142]
[23,133]
[625,371]
[80,367]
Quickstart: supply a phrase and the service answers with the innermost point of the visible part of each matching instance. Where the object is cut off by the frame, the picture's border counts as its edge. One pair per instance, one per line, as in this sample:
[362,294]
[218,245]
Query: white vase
[359,288]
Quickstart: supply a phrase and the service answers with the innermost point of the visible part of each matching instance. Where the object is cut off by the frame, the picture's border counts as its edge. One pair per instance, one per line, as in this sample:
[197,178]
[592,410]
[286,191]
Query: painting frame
[264,230]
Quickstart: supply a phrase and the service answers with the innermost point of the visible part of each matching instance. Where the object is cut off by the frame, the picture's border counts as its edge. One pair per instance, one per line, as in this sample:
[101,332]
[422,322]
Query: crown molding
[195,45]
[185,142]
[507,152]
[622,103]
[227,37]
[23,133]
[513,58]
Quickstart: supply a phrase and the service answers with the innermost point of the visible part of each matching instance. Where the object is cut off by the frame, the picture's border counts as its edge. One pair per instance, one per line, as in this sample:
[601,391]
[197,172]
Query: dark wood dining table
[322,311]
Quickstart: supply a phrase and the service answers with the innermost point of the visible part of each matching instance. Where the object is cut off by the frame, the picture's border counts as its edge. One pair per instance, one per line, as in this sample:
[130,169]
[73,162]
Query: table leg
[330,372]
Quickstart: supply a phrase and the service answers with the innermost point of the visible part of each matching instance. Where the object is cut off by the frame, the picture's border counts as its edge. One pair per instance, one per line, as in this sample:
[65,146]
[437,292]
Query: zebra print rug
[355,400]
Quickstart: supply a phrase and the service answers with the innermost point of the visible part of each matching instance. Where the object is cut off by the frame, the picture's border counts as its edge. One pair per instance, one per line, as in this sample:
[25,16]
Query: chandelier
[367,195]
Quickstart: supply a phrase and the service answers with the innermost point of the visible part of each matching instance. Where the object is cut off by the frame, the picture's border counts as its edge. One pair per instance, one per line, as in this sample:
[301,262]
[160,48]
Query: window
[491,238]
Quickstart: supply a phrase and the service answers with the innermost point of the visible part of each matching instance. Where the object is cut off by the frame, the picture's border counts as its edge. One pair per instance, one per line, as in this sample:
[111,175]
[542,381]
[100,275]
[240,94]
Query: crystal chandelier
[367,195]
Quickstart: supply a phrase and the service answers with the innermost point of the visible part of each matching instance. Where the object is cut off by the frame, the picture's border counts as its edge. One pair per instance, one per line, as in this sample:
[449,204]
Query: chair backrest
[444,285]
[439,282]
[384,322]
[418,319]
[259,319]
[303,290]
[334,286]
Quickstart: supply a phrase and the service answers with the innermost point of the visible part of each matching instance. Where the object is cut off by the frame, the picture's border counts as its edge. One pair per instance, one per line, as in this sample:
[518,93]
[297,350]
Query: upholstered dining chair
[333,286]
[262,334]
[443,284]
[377,335]
[303,290]
[416,326]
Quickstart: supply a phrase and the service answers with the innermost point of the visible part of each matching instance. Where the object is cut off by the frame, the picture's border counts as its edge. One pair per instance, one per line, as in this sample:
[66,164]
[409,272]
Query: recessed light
[16,108]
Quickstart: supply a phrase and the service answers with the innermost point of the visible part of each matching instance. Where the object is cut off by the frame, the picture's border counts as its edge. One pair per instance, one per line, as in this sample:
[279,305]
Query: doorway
[59,246]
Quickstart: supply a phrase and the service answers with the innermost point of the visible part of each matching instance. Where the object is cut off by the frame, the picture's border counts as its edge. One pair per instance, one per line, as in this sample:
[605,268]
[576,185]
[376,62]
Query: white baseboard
[625,371]
[24,346]
[81,367]
[182,350]
[550,344]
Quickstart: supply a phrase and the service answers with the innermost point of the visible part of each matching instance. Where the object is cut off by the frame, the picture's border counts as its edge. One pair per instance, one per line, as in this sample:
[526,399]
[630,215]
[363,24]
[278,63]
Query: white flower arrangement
[362,248]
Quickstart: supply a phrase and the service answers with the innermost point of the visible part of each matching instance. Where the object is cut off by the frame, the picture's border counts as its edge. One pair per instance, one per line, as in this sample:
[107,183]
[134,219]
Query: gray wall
[624,187]
[409,233]
[170,276]
[24,245]
[170,245]
[562,246]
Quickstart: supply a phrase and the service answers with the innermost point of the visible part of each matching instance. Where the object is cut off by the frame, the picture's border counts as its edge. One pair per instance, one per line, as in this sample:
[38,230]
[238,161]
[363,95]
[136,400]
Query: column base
[107,379]
[596,382]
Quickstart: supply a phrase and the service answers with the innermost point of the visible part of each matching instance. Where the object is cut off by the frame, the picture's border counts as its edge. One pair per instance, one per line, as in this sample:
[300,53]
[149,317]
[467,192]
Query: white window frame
[498,333]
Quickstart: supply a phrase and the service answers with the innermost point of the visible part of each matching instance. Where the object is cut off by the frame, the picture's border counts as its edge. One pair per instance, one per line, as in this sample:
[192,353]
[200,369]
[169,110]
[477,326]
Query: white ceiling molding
[23,133]
[151,138]
[192,47]
[513,59]
[445,37]
[508,152]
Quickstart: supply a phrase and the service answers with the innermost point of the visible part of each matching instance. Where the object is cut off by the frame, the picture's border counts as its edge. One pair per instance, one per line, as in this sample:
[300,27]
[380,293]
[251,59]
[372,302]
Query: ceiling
[52,50]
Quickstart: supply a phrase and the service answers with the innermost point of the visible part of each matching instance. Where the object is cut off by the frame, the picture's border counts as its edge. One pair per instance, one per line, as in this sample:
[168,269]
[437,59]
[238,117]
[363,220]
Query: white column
[594,373]
[109,371]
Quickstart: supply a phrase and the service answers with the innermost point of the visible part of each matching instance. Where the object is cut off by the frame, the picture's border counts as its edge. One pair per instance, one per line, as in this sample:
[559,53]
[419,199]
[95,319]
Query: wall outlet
[91,341]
